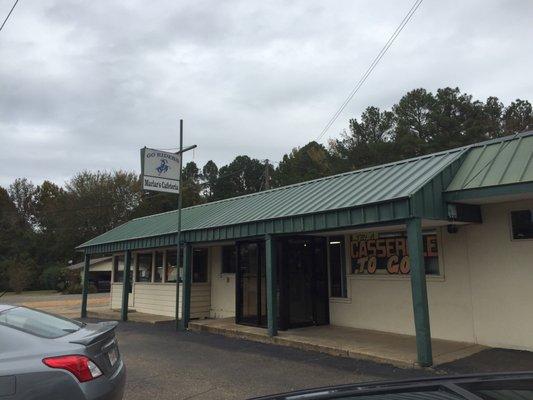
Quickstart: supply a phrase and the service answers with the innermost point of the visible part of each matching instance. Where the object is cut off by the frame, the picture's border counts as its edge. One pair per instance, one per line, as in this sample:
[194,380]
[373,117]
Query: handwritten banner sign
[388,253]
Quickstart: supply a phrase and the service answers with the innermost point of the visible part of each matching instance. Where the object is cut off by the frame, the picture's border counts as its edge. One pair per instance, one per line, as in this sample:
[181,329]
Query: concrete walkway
[399,350]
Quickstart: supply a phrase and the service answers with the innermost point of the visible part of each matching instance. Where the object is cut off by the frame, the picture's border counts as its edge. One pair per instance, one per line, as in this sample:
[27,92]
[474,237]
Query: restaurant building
[438,246]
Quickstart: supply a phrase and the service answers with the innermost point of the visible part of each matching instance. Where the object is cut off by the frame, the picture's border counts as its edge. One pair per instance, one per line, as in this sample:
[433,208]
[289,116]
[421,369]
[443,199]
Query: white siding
[156,298]
[200,300]
[160,298]
[116,296]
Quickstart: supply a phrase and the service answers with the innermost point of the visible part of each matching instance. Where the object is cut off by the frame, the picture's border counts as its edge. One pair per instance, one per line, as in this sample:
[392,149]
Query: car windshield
[38,323]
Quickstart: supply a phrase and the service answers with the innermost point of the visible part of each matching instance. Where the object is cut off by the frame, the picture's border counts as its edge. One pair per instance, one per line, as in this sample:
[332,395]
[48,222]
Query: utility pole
[178,257]
[267,174]
[180,324]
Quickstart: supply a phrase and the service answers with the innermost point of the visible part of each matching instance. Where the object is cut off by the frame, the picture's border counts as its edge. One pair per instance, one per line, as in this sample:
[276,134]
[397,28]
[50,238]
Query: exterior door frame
[238,284]
[284,284]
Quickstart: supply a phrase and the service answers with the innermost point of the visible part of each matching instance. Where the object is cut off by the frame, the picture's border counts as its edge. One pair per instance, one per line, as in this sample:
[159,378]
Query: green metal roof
[507,161]
[376,185]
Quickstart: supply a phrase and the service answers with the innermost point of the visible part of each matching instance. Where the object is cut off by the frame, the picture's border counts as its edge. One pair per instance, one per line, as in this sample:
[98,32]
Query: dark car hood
[459,384]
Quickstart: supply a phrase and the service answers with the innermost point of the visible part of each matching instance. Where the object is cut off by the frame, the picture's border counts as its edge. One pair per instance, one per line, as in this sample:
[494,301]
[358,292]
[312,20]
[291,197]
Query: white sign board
[160,171]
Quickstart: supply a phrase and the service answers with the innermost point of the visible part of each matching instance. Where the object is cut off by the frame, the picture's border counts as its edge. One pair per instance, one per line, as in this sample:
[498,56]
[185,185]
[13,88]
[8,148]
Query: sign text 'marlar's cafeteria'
[156,184]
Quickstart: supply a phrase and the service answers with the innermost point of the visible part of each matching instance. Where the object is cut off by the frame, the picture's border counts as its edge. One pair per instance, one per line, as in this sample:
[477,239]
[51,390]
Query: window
[158,273]
[170,268]
[118,269]
[229,259]
[144,267]
[337,267]
[38,323]
[199,265]
[522,224]
[387,253]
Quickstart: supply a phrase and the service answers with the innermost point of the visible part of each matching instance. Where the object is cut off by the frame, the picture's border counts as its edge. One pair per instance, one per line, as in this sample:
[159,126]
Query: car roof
[4,307]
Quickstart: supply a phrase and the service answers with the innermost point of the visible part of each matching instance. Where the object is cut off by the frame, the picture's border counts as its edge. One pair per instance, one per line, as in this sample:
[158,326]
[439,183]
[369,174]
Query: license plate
[113,356]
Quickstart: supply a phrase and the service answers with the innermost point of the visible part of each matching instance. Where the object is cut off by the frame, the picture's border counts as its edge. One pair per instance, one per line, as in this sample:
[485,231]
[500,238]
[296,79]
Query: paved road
[165,364]
[68,305]
[48,297]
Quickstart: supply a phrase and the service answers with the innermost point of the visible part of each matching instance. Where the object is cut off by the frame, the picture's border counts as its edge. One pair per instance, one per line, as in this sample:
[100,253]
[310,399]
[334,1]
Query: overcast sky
[86,84]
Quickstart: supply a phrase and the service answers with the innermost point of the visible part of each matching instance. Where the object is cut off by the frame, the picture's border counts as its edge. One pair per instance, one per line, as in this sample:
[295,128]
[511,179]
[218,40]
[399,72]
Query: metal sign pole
[155,176]
[180,196]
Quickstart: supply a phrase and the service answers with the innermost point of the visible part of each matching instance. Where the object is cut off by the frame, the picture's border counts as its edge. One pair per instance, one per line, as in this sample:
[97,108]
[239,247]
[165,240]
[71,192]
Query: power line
[9,14]
[373,65]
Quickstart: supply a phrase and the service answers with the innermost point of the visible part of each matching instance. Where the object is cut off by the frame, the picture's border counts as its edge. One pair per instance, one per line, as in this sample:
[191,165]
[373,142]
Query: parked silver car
[44,356]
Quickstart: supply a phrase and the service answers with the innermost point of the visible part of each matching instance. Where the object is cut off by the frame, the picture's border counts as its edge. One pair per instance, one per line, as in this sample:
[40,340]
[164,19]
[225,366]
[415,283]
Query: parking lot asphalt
[165,364]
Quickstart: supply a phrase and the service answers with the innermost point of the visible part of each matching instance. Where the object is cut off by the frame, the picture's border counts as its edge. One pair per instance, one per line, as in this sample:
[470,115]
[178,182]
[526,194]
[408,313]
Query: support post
[85,290]
[178,258]
[126,286]
[271,286]
[419,292]
[186,288]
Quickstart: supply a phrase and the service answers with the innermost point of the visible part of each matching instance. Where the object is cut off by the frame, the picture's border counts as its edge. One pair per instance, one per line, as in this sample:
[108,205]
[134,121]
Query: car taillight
[82,367]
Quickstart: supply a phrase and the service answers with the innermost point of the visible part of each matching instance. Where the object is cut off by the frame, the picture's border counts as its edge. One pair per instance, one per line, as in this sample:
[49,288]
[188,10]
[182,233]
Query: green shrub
[19,276]
[53,277]
[73,288]
[72,277]
[4,279]
[77,288]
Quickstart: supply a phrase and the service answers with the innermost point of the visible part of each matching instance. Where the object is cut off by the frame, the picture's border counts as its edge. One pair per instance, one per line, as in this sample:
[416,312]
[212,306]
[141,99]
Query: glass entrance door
[303,282]
[300,296]
[251,284]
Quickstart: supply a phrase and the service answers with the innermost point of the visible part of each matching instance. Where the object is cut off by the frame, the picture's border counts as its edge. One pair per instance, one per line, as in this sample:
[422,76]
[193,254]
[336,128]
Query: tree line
[40,225]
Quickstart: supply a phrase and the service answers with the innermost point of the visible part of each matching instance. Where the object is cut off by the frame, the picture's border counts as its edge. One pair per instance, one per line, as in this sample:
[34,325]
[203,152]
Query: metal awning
[417,187]
[498,170]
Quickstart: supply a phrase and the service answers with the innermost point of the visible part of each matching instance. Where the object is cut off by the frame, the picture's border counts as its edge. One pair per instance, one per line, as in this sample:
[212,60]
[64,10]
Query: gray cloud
[86,84]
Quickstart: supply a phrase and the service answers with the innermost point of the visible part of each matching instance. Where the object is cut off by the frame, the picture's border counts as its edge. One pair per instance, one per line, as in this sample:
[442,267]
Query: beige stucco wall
[222,287]
[502,298]
[484,295]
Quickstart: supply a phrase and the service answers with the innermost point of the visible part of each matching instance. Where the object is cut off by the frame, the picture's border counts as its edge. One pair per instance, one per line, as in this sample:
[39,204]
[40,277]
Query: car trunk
[100,343]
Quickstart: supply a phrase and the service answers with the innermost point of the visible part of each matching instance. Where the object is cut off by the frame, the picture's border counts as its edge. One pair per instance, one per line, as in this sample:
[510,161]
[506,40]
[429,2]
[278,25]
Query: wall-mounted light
[335,242]
[452,228]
